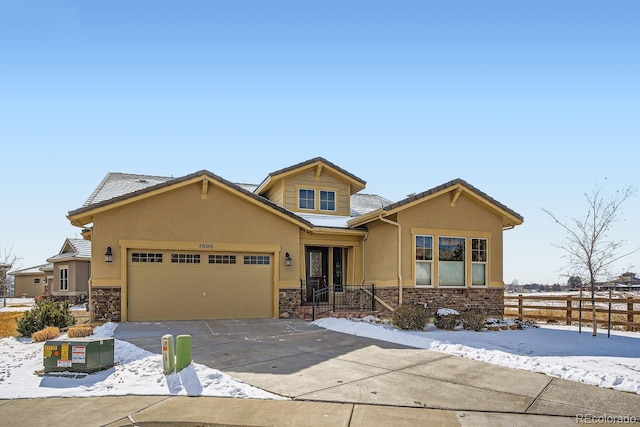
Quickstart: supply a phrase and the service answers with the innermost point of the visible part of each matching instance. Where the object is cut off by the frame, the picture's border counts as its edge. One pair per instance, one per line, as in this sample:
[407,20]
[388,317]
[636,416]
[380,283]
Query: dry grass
[8,323]
[47,333]
[80,331]
[562,311]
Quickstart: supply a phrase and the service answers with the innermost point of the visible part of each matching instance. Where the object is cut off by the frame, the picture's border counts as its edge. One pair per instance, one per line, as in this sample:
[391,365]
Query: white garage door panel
[176,291]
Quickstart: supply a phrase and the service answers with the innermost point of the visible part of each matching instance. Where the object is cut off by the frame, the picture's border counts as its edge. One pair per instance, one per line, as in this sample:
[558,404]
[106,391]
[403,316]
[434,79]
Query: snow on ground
[136,372]
[558,351]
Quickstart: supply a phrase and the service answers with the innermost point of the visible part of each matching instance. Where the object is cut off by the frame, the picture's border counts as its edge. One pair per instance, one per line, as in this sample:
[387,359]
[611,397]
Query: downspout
[388,221]
[366,236]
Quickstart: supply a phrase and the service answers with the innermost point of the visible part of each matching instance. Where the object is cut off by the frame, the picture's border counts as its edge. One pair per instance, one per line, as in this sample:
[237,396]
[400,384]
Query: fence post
[334,297]
[609,317]
[520,302]
[630,314]
[569,305]
[373,297]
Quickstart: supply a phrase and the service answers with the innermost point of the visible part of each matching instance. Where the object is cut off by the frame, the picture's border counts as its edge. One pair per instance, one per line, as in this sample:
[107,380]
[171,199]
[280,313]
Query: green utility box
[78,355]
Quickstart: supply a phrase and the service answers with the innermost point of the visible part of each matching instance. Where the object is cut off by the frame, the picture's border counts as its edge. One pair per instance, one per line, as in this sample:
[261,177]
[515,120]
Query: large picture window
[327,200]
[424,260]
[306,199]
[451,261]
[478,262]
[64,278]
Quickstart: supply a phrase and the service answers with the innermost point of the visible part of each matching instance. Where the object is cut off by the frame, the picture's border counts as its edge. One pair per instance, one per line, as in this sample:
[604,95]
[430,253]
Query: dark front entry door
[317,266]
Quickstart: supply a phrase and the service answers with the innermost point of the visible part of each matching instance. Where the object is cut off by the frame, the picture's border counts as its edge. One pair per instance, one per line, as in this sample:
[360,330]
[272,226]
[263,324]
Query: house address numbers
[205,246]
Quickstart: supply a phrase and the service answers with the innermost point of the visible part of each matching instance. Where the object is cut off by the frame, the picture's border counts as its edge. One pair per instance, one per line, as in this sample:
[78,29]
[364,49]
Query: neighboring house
[70,270]
[199,246]
[625,282]
[48,272]
[29,282]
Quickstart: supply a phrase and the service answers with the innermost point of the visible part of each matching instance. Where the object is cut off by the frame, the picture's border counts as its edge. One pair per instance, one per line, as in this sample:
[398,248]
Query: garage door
[176,285]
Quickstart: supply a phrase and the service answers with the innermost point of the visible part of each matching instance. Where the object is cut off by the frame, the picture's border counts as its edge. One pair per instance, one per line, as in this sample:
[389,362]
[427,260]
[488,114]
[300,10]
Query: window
[36,281]
[145,257]
[327,200]
[451,254]
[186,258]
[307,199]
[424,260]
[222,259]
[257,259]
[64,278]
[478,262]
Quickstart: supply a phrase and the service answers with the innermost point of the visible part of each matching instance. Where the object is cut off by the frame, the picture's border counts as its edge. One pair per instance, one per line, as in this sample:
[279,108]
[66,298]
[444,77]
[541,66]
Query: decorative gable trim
[456,187]
[320,164]
[83,216]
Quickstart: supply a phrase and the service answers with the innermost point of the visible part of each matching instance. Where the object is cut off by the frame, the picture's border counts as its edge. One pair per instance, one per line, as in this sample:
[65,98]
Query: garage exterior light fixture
[287,259]
[108,256]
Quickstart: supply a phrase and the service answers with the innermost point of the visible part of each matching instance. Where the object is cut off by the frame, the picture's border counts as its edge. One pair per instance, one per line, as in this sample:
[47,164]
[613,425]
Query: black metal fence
[325,298]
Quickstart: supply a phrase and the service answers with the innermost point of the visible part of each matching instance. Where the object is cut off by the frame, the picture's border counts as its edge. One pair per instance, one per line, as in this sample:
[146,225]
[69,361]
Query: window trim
[256,260]
[464,262]
[313,199]
[431,262]
[335,203]
[226,259]
[65,279]
[138,257]
[485,262]
[185,258]
[468,235]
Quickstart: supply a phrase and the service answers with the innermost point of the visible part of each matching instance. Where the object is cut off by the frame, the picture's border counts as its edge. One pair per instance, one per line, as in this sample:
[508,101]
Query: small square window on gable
[306,199]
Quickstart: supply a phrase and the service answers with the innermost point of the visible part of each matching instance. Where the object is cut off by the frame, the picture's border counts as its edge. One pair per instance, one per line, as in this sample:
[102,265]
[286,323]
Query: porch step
[306,313]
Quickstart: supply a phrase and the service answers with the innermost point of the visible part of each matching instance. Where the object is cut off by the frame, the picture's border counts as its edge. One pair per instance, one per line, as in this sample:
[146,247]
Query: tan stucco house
[29,282]
[201,247]
[70,270]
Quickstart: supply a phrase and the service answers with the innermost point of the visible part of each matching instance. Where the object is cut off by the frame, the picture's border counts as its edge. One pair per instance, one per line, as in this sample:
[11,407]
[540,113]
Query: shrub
[473,319]
[46,334]
[80,331]
[45,313]
[411,316]
[447,318]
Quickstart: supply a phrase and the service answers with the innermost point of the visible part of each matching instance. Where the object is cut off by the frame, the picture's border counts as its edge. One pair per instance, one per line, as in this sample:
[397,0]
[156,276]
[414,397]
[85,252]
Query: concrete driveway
[299,360]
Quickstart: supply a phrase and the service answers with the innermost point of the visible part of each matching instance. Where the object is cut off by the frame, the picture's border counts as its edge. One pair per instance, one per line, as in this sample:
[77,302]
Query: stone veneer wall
[490,300]
[289,303]
[106,304]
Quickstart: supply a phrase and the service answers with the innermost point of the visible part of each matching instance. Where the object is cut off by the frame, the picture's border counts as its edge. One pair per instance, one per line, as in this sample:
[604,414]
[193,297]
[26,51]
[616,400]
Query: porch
[319,299]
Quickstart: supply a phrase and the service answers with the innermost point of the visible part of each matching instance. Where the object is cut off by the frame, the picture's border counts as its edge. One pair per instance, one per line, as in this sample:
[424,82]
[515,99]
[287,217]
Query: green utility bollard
[168,354]
[183,352]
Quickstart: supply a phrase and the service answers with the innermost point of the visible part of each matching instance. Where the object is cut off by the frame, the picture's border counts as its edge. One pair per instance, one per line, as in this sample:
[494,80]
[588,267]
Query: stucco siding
[25,285]
[181,215]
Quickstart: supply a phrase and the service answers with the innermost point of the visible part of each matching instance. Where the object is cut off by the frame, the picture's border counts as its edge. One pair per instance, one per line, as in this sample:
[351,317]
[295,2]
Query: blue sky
[533,102]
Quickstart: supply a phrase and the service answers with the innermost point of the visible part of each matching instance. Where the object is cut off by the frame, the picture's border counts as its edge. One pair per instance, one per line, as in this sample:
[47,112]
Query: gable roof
[28,271]
[116,184]
[73,249]
[510,218]
[126,188]
[357,184]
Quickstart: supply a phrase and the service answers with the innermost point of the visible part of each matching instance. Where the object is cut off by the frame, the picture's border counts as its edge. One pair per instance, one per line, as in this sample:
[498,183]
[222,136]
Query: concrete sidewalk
[211,411]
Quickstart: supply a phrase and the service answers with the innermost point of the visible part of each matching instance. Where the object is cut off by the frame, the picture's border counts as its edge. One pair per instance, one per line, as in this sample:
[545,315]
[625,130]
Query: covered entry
[325,270]
[179,285]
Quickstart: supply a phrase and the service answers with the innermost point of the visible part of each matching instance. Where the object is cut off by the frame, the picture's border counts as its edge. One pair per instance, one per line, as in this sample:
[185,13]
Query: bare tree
[589,251]
[7,260]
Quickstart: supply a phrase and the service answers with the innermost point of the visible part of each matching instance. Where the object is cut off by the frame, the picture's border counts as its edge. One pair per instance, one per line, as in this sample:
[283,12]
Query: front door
[317,266]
